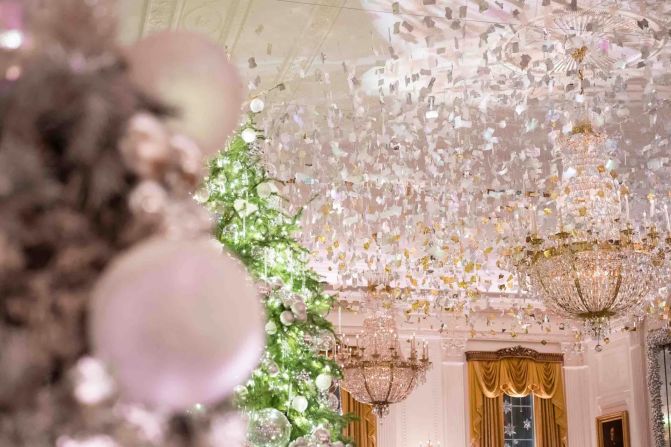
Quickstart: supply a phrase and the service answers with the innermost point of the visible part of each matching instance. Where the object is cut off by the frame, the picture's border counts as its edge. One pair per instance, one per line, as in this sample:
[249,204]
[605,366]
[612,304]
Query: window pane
[518,417]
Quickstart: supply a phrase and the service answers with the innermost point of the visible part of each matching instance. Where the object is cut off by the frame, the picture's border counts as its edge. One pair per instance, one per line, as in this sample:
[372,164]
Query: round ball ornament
[256,105]
[332,401]
[299,403]
[161,320]
[271,328]
[324,340]
[321,434]
[273,369]
[248,135]
[268,428]
[287,318]
[189,72]
[286,297]
[299,310]
[323,381]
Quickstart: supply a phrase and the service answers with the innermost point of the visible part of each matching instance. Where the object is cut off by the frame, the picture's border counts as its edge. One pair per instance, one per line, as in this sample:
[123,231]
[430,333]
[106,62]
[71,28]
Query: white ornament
[271,328]
[299,403]
[287,318]
[160,319]
[256,105]
[323,381]
[248,135]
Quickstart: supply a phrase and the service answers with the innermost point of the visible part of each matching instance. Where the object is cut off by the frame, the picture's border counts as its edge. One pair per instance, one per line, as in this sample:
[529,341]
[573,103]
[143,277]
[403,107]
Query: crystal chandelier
[375,370]
[598,265]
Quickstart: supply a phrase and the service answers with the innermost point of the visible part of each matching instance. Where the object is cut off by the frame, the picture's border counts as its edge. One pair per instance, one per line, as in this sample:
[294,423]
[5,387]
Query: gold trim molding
[515,352]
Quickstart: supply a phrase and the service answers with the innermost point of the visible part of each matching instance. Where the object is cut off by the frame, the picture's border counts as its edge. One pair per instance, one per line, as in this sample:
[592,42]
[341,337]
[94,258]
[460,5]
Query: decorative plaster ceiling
[424,127]
[290,40]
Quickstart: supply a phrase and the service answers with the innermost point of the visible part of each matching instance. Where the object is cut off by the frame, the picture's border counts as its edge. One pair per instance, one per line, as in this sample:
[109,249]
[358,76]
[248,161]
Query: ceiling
[297,42]
[423,128]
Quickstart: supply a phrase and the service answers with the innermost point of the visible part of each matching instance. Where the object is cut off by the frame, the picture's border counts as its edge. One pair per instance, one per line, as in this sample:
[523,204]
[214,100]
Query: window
[518,421]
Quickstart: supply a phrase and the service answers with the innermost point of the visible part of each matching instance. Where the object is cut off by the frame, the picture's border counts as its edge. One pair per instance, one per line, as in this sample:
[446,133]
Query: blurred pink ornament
[92,383]
[193,74]
[177,323]
[13,38]
[144,146]
[12,14]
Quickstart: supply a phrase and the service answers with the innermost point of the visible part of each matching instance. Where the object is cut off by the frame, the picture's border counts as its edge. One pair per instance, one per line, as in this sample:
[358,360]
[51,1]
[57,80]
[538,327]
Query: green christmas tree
[293,376]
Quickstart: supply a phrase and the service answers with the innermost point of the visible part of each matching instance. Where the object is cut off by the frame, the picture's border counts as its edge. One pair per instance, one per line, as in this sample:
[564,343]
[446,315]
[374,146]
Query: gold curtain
[516,377]
[364,430]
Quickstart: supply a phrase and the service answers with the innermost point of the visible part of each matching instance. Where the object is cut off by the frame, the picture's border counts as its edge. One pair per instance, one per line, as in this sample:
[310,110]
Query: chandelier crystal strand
[597,266]
[375,370]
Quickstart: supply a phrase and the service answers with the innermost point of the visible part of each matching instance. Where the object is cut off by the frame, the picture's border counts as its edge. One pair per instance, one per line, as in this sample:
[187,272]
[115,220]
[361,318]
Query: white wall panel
[596,383]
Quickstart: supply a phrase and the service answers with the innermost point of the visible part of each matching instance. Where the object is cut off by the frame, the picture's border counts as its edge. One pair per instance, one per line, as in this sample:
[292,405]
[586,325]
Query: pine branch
[262,236]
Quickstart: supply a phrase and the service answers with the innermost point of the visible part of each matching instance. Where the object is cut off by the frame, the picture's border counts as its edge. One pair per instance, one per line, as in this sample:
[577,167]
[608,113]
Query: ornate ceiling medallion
[612,40]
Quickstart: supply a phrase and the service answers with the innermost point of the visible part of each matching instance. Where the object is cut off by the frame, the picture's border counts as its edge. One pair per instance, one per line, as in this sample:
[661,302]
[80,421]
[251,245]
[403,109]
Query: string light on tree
[252,224]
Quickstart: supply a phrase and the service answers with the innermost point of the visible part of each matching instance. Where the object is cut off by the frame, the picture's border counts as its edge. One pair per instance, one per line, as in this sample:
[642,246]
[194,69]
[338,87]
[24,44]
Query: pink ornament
[177,322]
[11,15]
[193,74]
[14,41]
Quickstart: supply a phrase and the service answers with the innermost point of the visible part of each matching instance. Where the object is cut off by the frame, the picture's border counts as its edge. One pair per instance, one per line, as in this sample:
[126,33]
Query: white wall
[617,381]
[596,383]
[422,416]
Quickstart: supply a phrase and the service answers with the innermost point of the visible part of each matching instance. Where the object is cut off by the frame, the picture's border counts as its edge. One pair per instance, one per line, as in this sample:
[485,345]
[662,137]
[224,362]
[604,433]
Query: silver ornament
[321,434]
[324,340]
[332,401]
[298,307]
[287,318]
[272,368]
[268,428]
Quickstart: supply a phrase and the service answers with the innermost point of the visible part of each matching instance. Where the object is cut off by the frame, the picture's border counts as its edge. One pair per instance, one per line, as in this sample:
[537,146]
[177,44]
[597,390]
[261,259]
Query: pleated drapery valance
[519,373]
